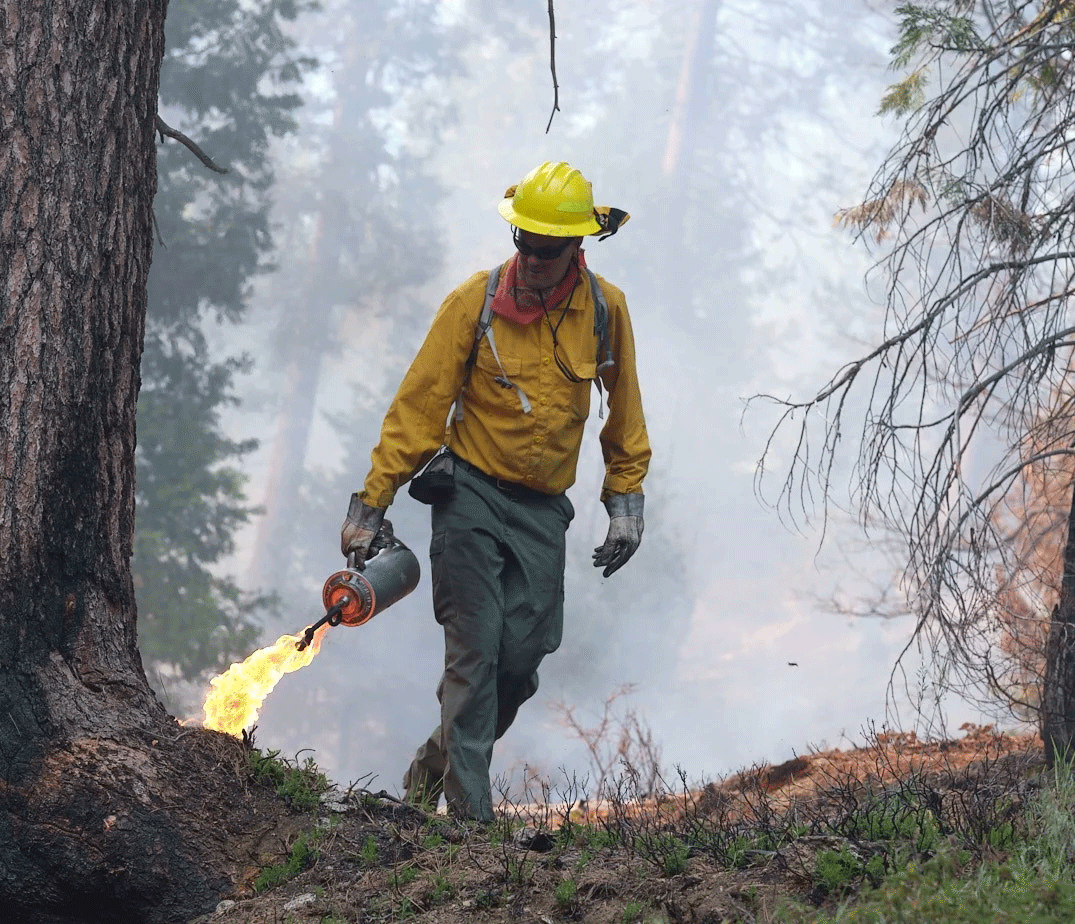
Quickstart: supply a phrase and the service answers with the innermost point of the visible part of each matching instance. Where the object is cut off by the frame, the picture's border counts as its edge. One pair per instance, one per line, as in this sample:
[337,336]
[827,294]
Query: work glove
[624,532]
[360,526]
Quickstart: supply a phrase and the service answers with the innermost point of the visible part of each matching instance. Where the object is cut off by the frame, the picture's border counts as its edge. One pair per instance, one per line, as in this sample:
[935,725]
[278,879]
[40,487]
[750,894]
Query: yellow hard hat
[553,199]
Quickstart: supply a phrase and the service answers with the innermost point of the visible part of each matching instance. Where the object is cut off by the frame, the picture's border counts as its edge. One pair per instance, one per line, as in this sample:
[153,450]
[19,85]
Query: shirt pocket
[579,354]
[578,393]
[586,370]
[488,363]
[491,381]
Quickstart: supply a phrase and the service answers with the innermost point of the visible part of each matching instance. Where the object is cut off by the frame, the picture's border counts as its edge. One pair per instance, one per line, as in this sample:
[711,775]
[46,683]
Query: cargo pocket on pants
[441,588]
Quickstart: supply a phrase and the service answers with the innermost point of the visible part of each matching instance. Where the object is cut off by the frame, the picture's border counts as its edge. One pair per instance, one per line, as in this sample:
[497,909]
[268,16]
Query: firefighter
[497,397]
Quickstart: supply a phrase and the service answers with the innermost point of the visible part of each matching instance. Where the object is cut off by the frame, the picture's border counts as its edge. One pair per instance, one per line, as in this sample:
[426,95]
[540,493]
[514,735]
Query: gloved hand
[624,532]
[359,527]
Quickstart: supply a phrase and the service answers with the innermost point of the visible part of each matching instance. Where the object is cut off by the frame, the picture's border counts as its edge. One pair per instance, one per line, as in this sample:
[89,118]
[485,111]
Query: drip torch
[360,591]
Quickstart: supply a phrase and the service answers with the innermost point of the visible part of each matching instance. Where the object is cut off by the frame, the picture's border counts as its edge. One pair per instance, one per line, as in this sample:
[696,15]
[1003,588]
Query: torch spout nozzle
[331,617]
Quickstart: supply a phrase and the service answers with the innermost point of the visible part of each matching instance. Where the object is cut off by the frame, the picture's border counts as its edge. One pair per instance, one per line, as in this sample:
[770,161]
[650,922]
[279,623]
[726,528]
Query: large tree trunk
[94,819]
[1058,686]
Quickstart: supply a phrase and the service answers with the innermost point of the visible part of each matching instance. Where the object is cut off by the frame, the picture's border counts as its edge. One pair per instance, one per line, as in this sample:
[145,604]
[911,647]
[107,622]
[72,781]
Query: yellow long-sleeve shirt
[539,449]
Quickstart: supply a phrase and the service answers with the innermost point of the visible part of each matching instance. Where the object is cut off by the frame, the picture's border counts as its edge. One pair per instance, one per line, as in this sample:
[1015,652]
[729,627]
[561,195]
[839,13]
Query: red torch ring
[353,594]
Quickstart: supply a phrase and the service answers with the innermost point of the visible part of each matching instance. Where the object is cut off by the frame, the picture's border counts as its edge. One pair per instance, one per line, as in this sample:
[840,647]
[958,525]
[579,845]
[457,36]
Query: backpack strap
[604,340]
[484,320]
[600,325]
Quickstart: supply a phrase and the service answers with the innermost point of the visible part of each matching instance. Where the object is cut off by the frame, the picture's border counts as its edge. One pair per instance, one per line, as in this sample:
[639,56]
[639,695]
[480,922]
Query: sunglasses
[550,252]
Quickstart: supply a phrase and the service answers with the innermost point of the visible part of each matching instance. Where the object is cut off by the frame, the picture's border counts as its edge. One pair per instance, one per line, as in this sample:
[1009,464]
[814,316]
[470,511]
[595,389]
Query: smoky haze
[731,131]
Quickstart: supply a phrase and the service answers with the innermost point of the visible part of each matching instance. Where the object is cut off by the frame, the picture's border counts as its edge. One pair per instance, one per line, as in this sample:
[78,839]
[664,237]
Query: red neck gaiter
[523,305]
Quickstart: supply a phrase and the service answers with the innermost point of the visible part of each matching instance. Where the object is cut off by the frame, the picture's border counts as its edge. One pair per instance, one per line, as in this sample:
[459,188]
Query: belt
[511,488]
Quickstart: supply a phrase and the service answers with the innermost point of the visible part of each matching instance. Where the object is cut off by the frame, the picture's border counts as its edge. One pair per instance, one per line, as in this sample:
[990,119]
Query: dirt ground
[371,859]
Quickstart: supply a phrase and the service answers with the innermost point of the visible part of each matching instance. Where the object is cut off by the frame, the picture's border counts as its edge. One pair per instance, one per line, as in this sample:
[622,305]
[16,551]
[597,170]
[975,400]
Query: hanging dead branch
[552,65]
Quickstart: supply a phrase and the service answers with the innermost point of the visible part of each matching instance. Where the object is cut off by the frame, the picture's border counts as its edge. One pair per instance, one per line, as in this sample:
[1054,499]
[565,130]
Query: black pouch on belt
[436,482]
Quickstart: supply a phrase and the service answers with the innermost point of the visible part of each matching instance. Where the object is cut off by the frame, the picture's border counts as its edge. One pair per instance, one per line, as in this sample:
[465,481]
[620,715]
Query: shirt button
[546,360]
[544,400]
[529,477]
[537,441]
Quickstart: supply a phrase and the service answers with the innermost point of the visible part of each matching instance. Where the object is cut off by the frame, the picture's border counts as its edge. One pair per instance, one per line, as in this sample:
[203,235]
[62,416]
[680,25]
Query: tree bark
[1058,685]
[93,817]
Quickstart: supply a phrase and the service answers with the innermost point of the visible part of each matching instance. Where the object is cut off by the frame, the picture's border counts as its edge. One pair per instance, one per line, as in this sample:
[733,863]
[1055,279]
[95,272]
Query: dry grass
[809,831]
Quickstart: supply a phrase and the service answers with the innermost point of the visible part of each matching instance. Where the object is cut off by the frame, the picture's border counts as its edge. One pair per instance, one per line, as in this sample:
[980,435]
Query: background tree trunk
[1058,685]
[96,778]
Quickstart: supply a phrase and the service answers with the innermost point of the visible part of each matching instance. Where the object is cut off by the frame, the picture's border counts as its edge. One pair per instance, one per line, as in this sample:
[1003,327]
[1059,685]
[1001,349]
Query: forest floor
[809,832]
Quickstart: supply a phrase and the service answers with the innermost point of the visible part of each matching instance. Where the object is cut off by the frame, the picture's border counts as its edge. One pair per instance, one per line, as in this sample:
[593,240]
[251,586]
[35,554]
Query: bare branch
[617,739]
[552,66]
[167,131]
[968,391]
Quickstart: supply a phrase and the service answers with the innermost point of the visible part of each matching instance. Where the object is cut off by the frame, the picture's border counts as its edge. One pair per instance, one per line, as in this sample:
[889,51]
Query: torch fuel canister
[353,597]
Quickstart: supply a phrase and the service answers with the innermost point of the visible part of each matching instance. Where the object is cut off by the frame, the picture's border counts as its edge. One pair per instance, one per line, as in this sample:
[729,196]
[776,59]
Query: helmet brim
[580,226]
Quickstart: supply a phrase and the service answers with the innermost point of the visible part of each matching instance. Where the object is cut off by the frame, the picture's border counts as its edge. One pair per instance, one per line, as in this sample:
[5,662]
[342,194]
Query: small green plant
[948,889]
[499,832]
[875,869]
[567,896]
[584,859]
[735,852]
[403,876]
[1002,836]
[897,821]
[836,870]
[487,899]
[675,861]
[302,855]
[433,840]
[442,890]
[632,912]
[370,855]
[587,836]
[666,851]
[299,785]
[517,870]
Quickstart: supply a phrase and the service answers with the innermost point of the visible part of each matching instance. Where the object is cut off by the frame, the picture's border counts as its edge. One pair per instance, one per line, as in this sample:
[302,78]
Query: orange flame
[236,696]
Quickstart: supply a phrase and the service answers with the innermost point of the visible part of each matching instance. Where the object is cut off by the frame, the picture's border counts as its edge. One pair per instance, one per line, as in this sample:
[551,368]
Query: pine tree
[105,816]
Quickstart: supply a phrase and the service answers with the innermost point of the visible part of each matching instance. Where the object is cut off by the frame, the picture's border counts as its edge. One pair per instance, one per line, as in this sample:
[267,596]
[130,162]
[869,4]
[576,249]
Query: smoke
[731,136]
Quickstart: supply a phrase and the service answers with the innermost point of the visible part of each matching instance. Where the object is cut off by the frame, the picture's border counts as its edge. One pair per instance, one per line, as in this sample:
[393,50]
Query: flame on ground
[236,696]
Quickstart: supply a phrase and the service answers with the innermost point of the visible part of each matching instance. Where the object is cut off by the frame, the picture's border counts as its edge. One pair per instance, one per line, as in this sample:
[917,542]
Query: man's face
[538,270]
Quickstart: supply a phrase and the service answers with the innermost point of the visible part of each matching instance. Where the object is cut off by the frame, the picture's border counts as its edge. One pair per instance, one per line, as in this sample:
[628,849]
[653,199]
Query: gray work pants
[497,564]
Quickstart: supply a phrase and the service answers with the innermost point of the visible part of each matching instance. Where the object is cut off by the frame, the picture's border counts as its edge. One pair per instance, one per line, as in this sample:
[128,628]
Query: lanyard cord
[563,312]
[567,372]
